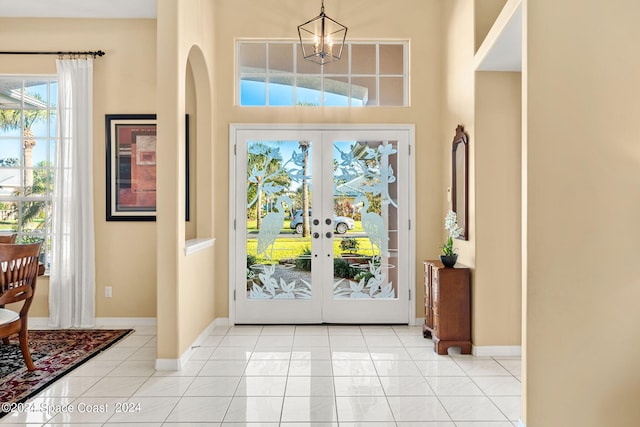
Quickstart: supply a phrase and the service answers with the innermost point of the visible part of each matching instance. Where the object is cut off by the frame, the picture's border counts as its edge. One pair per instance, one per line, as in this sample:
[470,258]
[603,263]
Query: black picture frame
[130,185]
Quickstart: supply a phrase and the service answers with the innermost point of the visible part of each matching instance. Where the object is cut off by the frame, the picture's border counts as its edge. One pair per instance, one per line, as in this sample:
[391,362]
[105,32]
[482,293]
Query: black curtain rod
[94,53]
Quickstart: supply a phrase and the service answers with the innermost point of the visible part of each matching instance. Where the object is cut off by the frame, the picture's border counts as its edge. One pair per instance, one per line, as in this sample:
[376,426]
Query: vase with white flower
[449,256]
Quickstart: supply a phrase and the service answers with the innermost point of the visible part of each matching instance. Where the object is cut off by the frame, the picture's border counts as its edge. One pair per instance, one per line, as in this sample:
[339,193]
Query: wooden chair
[18,274]
[8,238]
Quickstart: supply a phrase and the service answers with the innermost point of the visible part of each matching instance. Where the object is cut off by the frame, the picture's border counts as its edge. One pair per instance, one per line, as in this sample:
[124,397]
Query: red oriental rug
[55,353]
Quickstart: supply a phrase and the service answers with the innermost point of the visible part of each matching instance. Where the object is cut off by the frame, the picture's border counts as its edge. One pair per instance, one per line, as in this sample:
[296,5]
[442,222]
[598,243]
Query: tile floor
[290,376]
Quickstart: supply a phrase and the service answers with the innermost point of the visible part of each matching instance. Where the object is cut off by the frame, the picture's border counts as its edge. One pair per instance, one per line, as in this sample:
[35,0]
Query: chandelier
[322,38]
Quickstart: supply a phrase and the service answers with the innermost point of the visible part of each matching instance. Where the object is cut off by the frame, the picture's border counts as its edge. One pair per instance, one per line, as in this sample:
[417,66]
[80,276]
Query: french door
[321,225]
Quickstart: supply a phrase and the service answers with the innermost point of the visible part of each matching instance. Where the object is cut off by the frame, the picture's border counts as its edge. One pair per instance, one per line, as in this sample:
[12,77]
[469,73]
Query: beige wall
[185,283]
[124,83]
[497,288]
[488,106]
[458,109]
[583,205]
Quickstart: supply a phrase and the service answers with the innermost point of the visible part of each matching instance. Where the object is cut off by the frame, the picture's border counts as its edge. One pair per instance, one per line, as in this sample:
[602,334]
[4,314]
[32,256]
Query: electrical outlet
[108,291]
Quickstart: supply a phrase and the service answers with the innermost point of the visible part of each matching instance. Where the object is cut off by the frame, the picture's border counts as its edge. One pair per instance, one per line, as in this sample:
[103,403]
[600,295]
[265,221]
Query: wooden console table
[447,303]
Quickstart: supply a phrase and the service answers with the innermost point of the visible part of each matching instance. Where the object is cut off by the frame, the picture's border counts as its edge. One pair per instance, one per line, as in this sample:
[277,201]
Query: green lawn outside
[291,248]
[13,225]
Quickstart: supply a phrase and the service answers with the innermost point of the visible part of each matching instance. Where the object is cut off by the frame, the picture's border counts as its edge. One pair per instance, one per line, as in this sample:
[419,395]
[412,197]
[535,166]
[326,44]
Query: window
[27,155]
[367,75]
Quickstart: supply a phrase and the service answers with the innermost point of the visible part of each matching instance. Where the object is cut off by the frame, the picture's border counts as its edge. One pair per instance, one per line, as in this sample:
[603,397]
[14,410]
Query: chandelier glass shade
[322,38]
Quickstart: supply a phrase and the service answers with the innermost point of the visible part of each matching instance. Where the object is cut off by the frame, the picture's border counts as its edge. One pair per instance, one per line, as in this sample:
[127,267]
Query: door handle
[316,221]
[328,221]
[316,235]
[328,234]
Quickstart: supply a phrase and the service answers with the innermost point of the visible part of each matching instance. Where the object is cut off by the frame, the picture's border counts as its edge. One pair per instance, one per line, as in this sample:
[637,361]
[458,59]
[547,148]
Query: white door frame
[233,182]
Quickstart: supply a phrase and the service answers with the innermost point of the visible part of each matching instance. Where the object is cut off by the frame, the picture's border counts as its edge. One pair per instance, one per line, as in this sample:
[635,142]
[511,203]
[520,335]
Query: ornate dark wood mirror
[460,180]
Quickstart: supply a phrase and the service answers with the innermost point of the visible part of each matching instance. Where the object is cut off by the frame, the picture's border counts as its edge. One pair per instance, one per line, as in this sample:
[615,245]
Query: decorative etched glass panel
[365,189]
[278,251]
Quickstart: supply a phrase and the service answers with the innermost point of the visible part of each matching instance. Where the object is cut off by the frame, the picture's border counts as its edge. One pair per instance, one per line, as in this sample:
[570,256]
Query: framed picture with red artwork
[131,167]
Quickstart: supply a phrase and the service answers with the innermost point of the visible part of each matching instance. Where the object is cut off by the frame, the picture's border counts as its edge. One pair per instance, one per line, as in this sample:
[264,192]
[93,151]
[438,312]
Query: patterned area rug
[55,353]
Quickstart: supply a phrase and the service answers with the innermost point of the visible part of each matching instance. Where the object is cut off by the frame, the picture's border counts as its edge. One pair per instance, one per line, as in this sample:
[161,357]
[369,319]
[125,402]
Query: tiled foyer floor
[290,376]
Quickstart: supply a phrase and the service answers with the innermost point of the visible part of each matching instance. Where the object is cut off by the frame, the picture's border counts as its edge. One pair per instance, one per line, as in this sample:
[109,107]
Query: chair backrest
[18,273]
[8,238]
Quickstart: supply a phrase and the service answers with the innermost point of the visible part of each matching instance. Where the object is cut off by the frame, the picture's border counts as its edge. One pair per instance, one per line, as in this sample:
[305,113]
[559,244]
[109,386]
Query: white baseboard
[38,322]
[497,350]
[221,321]
[177,364]
[168,364]
[101,322]
[488,350]
[129,322]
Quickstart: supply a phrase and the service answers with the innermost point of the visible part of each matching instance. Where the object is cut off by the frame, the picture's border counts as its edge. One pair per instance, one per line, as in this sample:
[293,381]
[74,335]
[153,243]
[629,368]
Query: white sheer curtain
[72,280]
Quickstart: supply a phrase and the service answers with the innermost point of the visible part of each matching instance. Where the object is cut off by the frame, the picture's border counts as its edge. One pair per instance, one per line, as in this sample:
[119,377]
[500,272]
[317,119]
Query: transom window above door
[369,74]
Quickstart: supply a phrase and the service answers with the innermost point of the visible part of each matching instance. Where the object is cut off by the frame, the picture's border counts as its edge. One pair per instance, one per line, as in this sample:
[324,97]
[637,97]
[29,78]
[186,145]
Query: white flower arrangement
[451,225]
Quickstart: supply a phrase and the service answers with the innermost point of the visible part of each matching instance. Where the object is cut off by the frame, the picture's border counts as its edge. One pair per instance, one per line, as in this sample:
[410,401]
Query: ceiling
[78,8]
